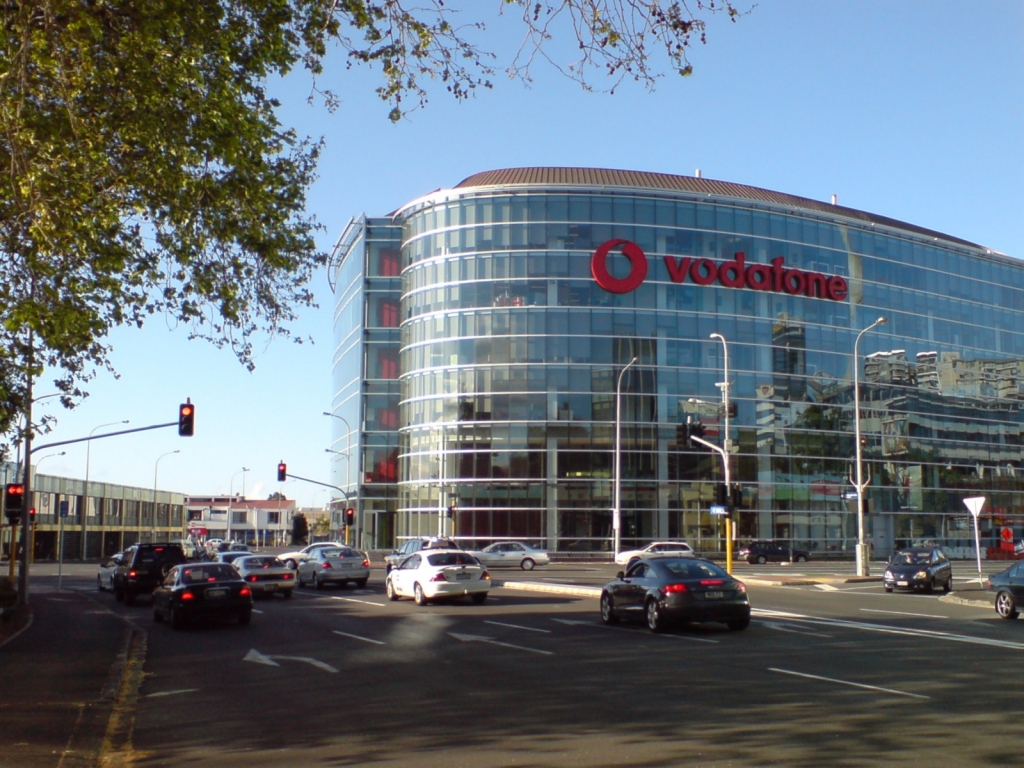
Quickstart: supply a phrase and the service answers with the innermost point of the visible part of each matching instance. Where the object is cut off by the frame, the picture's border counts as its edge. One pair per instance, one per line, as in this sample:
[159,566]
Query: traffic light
[350,516]
[736,500]
[32,516]
[282,472]
[693,429]
[721,495]
[14,500]
[186,419]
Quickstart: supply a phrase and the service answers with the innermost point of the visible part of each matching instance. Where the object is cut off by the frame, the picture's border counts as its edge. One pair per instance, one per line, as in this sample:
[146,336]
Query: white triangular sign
[974,504]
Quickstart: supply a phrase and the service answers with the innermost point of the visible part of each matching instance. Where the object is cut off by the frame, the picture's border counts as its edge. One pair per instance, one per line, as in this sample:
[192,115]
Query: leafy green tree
[146,172]
[300,529]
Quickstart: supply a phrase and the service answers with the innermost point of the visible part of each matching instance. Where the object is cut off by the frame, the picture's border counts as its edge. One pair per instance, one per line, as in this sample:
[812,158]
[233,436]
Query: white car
[678,548]
[105,576]
[292,559]
[512,554]
[435,574]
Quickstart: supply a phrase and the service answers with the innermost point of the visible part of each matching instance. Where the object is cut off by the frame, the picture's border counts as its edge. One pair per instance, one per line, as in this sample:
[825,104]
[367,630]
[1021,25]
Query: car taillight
[244,592]
[252,578]
[286,576]
[439,577]
[485,575]
[366,563]
[186,596]
[326,565]
[669,589]
[132,574]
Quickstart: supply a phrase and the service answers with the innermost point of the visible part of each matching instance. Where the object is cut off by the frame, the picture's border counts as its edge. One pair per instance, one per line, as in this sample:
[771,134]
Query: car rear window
[451,558]
[261,562]
[692,569]
[201,573]
[342,553]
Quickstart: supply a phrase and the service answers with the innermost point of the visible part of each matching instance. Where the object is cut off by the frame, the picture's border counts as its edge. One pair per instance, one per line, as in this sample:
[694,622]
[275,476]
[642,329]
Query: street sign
[1007,534]
[850,495]
[64,508]
[974,504]
[719,510]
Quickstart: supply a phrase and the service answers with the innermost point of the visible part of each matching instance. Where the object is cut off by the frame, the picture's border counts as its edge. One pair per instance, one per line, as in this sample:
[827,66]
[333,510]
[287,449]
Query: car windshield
[911,558]
[451,558]
[200,573]
[692,569]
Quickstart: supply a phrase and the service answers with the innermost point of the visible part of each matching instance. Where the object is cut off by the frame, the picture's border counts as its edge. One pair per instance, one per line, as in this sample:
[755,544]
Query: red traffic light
[186,419]
[14,500]
[350,516]
[282,472]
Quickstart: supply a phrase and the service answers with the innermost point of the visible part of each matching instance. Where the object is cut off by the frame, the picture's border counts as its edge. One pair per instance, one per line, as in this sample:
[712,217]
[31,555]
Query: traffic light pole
[728,519]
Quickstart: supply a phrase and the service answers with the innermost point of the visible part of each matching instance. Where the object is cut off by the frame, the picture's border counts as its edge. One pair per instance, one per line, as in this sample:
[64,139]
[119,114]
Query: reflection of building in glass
[480,331]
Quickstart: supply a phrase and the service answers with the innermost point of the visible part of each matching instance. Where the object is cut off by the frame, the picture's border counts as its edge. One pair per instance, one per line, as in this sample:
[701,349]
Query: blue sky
[912,110]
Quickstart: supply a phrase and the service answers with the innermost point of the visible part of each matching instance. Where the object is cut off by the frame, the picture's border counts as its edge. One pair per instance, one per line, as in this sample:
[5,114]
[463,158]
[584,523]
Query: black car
[1009,589]
[143,567]
[918,568]
[670,588]
[772,552]
[202,591]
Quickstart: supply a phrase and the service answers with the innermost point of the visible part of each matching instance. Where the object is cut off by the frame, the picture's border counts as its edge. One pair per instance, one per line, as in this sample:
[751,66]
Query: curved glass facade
[510,351]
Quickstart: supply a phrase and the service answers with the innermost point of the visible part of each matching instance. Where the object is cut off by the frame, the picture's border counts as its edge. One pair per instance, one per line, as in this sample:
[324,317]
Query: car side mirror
[620,575]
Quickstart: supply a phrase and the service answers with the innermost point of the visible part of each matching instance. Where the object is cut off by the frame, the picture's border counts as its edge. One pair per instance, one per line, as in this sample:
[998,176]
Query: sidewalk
[61,668]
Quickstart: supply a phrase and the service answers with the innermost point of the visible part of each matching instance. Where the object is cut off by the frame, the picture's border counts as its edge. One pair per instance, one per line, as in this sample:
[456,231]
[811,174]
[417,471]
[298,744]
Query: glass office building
[484,332]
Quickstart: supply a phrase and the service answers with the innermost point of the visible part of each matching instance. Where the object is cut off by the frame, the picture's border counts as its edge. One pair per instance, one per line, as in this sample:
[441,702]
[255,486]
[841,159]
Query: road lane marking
[929,633]
[492,641]
[625,629]
[357,600]
[826,588]
[259,658]
[359,637]
[848,682]
[787,628]
[171,693]
[517,626]
[905,613]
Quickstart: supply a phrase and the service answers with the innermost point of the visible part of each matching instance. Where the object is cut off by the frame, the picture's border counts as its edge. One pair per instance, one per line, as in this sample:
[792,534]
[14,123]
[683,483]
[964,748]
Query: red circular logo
[638,267]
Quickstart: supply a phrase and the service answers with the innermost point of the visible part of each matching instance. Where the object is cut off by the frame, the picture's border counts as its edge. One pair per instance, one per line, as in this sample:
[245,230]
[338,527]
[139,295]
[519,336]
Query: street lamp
[60,523]
[862,547]
[231,498]
[152,530]
[617,490]
[85,495]
[726,446]
[348,457]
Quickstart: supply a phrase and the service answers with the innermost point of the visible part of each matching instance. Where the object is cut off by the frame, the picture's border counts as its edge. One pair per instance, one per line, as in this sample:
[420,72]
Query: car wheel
[527,564]
[801,559]
[361,583]
[608,610]
[390,589]
[177,619]
[287,594]
[99,582]
[479,598]
[948,586]
[761,559]
[418,596]
[292,564]
[1005,606]
[118,594]
[930,586]
[738,625]
[245,617]
[317,582]
[888,589]
[387,569]
[655,622]
[129,598]
[158,615]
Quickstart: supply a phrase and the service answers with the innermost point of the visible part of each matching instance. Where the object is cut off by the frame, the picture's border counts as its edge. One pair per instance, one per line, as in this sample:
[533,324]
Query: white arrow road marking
[492,641]
[259,658]
[358,637]
[171,693]
[788,628]
[847,682]
[517,626]
[356,600]
[624,629]
[935,635]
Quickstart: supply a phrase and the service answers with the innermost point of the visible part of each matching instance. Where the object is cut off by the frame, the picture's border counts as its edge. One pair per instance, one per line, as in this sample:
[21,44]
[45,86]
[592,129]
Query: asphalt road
[829,673]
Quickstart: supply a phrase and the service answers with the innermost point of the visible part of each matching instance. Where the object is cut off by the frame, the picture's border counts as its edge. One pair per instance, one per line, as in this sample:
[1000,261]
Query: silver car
[105,576]
[266,575]
[333,565]
[511,554]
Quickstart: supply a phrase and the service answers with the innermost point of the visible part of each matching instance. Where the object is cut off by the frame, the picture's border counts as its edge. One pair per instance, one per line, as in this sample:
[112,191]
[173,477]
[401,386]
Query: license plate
[902,583]
[270,587]
[714,595]
[214,593]
[461,576]
[348,565]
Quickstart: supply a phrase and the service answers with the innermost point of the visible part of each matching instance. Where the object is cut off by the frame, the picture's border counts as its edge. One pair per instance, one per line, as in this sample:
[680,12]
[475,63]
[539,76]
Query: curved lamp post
[231,498]
[60,524]
[152,529]
[862,547]
[617,490]
[85,494]
[726,447]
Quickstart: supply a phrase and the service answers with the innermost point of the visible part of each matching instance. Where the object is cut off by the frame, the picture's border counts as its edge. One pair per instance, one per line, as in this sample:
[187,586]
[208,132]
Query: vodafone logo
[731,274]
[637,272]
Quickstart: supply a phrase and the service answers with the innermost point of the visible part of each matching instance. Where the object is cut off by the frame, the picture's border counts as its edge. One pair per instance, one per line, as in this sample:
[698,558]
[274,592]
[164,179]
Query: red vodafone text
[736,273]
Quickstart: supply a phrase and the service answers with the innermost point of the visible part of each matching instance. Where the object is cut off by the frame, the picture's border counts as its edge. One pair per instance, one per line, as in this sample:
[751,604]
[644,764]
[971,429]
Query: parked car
[292,559]
[433,575]
[918,568]
[143,567]
[230,556]
[232,546]
[1009,589]
[202,591]
[662,589]
[415,545]
[678,548]
[772,552]
[333,565]
[266,575]
[511,554]
[105,576]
